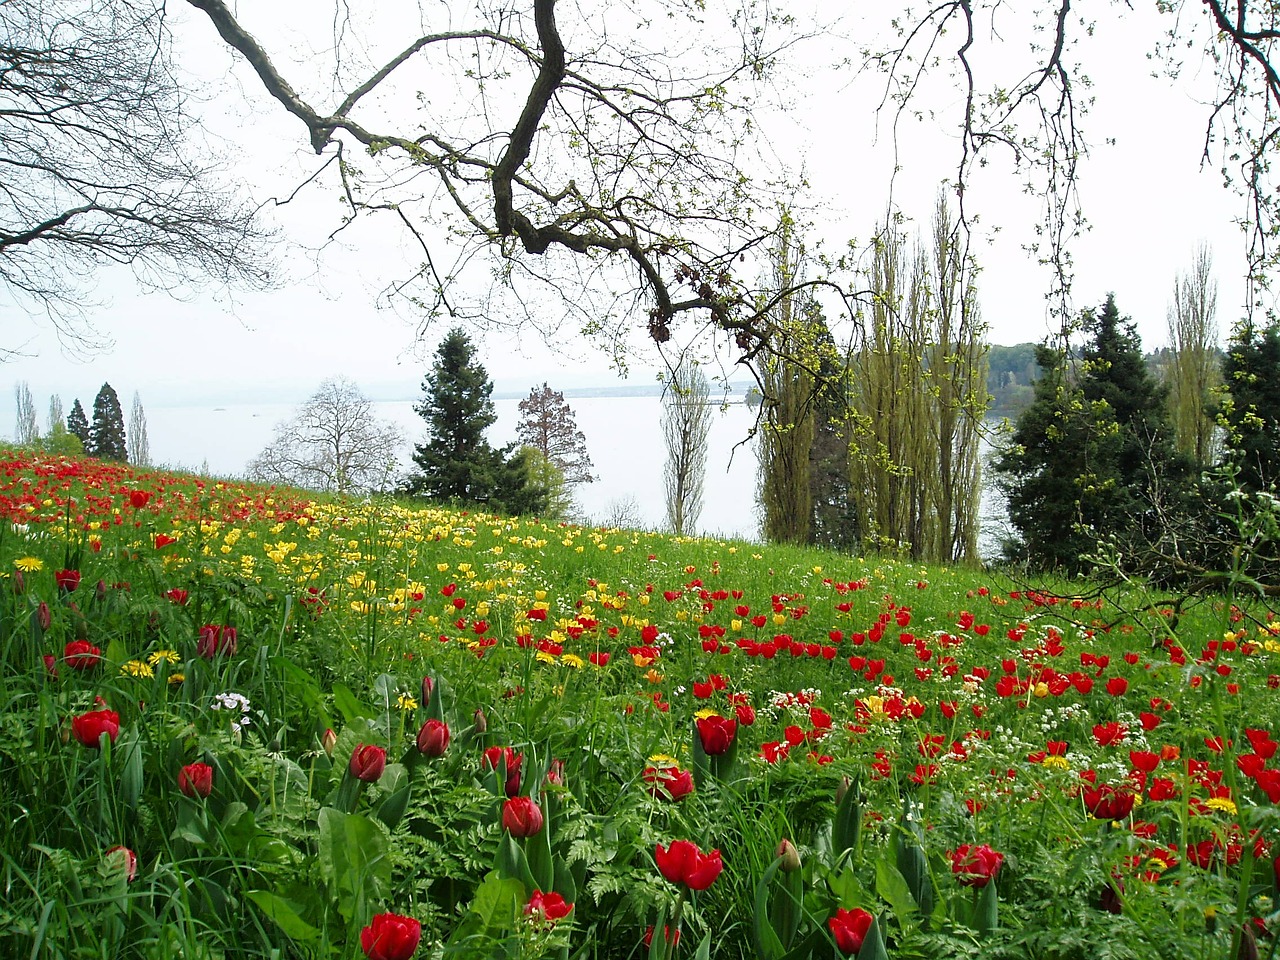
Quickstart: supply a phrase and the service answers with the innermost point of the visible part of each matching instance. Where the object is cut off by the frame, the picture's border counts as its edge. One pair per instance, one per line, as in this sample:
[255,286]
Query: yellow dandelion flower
[175,679]
[704,713]
[136,668]
[29,564]
[406,702]
[572,660]
[1056,763]
[663,760]
[170,656]
[1222,805]
[543,657]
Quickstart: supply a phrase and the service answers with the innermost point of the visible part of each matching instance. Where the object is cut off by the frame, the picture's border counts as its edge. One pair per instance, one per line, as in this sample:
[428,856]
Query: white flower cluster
[233,702]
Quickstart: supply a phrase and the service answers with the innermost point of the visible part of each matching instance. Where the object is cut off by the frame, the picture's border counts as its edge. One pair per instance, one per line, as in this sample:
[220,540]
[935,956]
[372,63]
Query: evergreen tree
[1250,411]
[1094,454]
[78,424]
[457,463]
[106,433]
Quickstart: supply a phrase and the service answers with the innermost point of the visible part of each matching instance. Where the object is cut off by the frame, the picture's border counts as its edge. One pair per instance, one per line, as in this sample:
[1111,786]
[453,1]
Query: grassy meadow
[244,722]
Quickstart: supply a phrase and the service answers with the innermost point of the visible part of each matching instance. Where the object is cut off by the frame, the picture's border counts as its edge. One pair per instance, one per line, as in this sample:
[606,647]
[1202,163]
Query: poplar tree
[28,426]
[686,424]
[1196,368]
[139,445]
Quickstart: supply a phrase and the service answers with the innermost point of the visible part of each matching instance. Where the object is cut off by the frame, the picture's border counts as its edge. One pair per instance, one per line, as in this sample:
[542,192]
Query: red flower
[668,783]
[547,907]
[67,580]
[214,640]
[177,595]
[89,727]
[684,863]
[122,858]
[1117,686]
[433,738]
[493,759]
[81,655]
[850,927]
[716,734]
[1108,802]
[196,779]
[138,498]
[367,762]
[521,817]
[390,936]
[975,865]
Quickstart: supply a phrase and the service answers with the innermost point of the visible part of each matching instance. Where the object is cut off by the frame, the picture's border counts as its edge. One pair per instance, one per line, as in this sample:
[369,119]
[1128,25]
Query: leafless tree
[95,167]
[28,425]
[686,423]
[335,443]
[1196,366]
[136,438]
[56,416]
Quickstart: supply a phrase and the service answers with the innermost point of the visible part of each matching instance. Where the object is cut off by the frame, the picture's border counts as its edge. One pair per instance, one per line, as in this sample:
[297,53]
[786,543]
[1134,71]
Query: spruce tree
[1250,411]
[1094,455]
[457,463]
[78,424]
[106,432]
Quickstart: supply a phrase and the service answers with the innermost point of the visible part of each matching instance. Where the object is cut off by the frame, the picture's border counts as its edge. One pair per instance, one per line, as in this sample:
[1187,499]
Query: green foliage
[1093,456]
[60,442]
[106,432]
[78,423]
[457,464]
[1250,413]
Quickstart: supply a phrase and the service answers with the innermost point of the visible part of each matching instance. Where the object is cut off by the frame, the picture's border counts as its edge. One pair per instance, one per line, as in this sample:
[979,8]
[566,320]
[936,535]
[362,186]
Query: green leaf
[873,945]
[492,916]
[284,914]
[767,943]
[348,704]
[353,861]
[892,887]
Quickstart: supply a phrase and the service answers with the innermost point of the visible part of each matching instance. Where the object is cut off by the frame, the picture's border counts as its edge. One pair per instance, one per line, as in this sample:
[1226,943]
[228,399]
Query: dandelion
[175,679]
[1222,805]
[169,656]
[29,564]
[406,702]
[136,668]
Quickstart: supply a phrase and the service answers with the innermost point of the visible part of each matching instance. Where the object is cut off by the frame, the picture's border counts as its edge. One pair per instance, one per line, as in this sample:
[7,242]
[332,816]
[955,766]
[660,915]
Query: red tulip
[81,655]
[1107,802]
[214,640]
[123,859]
[521,817]
[196,780]
[138,498]
[668,783]
[433,738]
[67,580]
[975,865]
[390,936]
[367,762]
[547,907]
[850,927]
[89,727]
[716,734]
[684,863]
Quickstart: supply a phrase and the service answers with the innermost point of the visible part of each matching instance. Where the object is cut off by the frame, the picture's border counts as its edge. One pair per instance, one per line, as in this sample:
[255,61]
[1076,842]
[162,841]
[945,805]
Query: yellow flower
[705,713]
[653,676]
[406,702]
[1222,805]
[571,660]
[1057,763]
[175,679]
[136,668]
[543,657]
[170,655]
[663,760]
[29,564]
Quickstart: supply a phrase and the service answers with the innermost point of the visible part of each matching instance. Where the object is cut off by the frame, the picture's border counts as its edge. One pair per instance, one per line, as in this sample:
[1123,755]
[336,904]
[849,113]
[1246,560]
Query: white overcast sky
[1148,201]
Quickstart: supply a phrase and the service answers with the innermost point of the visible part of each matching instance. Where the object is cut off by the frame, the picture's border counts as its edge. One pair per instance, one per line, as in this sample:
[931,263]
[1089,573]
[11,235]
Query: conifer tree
[457,463]
[1093,457]
[78,424]
[106,432]
[1250,412]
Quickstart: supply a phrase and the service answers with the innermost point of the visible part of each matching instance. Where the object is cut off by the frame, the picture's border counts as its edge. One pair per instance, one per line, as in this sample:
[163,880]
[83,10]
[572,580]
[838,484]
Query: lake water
[624,439]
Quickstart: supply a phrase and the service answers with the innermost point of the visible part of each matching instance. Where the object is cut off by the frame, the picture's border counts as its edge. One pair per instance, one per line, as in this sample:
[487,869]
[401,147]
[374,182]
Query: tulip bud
[521,817]
[100,591]
[433,738]
[790,856]
[428,688]
[481,723]
[843,789]
[328,741]
[44,616]
[122,858]
[19,583]
[196,780]
[367,762]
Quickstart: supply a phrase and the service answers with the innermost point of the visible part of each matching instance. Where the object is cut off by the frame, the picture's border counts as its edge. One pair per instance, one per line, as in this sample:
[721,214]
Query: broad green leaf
[284,914]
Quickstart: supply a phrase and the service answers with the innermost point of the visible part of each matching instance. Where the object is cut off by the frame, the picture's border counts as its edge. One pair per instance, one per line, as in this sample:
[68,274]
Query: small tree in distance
[28,426]
[686,423]
[560,460]
[78,424]
[334,443]
[106,433]
[139,445]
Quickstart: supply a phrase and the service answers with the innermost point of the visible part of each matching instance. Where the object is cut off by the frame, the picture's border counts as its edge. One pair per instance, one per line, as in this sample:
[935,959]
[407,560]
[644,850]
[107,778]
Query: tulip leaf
[873,944]
[768,944]
[348,704]
[131,773]
[491,918]
[846,826]
[892,887]
[392,809]
[704,948]
[986,915]
[303,686]
[283,914]
[354,862]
